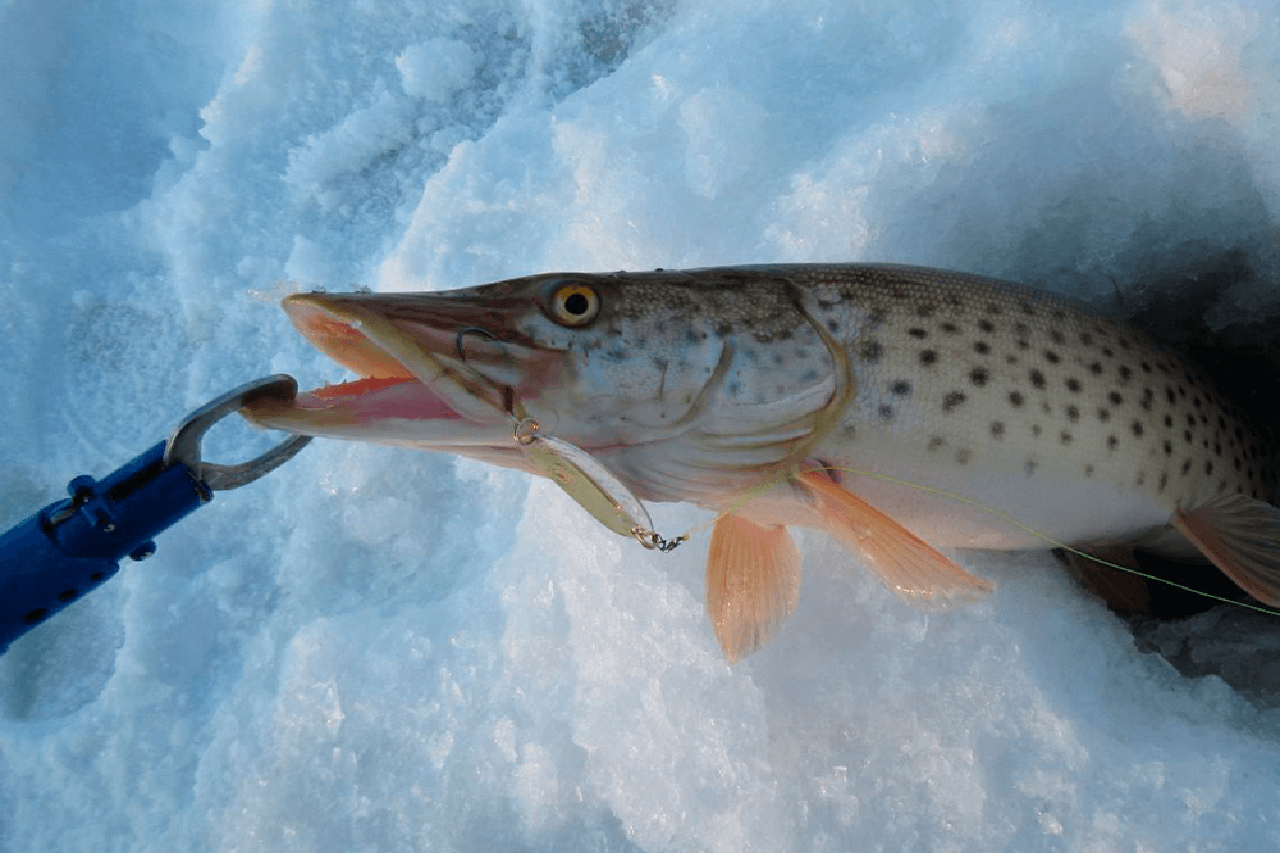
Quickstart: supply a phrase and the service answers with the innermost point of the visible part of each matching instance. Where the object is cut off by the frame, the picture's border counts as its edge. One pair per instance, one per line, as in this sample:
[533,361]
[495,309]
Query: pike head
[686,385]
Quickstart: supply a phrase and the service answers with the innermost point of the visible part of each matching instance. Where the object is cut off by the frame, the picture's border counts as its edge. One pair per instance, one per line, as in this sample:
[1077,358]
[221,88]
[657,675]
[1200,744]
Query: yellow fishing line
[746,497]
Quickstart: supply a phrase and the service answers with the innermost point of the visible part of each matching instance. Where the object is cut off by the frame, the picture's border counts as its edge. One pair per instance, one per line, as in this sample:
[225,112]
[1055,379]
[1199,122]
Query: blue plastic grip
[73,545]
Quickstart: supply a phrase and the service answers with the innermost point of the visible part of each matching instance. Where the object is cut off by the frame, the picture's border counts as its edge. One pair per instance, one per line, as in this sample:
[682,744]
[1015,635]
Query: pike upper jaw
[407,393]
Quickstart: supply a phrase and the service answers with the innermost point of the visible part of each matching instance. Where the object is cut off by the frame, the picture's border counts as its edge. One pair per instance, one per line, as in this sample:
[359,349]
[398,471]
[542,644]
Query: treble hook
[462,354]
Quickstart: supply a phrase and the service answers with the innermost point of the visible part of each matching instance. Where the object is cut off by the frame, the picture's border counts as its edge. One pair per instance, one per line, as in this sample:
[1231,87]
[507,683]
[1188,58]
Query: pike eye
[574,305]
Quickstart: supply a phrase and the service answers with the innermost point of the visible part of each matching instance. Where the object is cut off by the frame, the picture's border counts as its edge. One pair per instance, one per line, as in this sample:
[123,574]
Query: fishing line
[752,493]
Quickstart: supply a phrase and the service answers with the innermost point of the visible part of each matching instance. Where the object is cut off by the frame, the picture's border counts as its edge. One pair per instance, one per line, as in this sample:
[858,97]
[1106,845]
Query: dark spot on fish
[833,326]
[1112,442]
[1051,356]
[1168,421]
[963,455]
[1208,468]
[886,413]
[1125,373]
[1186,467]
[734,387]
[1146,367]
[981,347]
[950,328]
[1170,395]
[918,333]
[1147,397]
[1073,385]
[871,351]
[1096,368]
[902,388]
[1015,399]
[1195,402]
[724,330]
[1086,339]
[1136,426]
[952,400]
[1217,449]
[1141,479]
[997,429]
[1037,379]
[1088,470]
[1164,480]
[1031,466]
[1104,415]
[936,442]
[1023,344]
[1057,337]
[1115,398]
[1108,352]
[928,357]
[784,335]
[1222,422]
[1036,430]
[1065,437]
[1191,420]
[1187,435]
[986,325]
[1168,447]
[1182,392]
[978,376]
[876,318]
[925,309]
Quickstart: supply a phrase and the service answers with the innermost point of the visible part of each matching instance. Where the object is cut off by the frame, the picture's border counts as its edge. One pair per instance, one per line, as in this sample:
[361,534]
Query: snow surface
[381,650]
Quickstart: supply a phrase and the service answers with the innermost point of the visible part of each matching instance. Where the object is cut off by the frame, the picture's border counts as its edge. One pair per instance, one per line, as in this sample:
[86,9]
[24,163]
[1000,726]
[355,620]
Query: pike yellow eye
[574,305]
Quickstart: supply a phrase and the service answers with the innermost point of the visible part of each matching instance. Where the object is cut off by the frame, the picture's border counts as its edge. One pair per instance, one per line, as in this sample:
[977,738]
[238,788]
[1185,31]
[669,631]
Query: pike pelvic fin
[753,581]
[908,565]
[1241,536]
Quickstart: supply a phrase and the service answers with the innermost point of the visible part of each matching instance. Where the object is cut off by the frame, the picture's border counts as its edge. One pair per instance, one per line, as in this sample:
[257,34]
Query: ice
[375,649]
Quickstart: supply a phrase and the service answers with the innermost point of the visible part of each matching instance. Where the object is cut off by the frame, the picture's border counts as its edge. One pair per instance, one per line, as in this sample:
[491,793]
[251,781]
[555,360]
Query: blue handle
[72,546]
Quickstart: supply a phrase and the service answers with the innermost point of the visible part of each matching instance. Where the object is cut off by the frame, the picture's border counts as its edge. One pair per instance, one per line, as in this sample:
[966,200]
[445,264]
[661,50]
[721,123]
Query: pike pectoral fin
[905,563]
[1241,536]
[753,581]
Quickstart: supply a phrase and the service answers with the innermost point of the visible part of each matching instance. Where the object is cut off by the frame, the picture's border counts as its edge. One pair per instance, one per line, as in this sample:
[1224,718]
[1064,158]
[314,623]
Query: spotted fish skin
[901,409]
[1080,428]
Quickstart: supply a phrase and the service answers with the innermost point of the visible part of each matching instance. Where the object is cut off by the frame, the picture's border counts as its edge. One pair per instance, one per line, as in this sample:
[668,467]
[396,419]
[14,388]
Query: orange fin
[753,581]
[1241,536]
[907,564]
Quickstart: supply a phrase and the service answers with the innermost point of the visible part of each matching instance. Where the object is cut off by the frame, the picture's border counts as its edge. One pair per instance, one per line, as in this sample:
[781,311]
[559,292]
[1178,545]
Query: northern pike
[902,409]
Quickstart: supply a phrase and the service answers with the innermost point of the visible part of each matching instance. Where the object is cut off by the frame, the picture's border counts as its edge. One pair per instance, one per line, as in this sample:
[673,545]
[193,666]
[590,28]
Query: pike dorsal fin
[1241,536]
[753,581]
[908,565]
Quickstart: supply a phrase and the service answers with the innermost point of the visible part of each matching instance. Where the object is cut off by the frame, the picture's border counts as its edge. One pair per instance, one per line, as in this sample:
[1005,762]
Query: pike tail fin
[753,581]
[1241,536]
[908,565]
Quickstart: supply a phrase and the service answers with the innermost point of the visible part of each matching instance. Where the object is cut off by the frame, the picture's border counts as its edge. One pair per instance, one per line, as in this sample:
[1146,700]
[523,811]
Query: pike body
[861,399]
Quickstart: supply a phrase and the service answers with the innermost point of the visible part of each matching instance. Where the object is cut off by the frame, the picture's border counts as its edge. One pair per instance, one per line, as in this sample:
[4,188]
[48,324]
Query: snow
[374,649]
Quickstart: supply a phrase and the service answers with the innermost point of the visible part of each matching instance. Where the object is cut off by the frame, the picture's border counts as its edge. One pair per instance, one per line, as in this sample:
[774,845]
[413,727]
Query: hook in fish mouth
[462,354]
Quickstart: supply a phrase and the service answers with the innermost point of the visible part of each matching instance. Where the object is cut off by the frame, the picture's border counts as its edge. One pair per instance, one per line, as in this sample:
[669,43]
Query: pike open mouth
[405,376]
